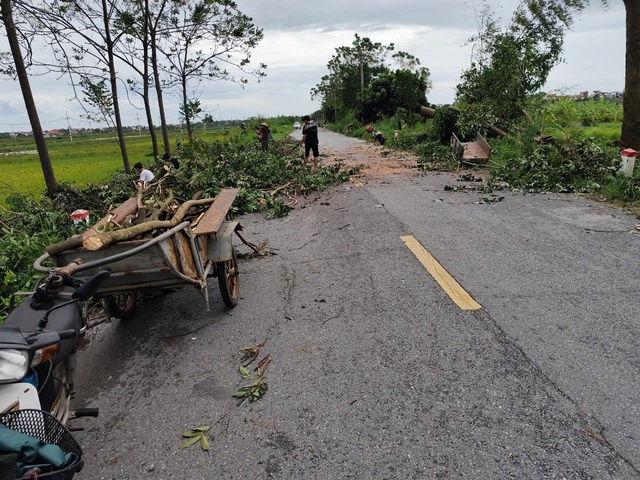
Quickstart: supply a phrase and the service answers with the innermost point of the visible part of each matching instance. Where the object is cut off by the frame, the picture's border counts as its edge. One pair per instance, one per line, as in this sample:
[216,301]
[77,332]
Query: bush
[581,166]
[28,226]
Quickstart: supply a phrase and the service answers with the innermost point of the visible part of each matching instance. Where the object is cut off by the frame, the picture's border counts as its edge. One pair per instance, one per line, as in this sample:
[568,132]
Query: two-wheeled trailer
[186,254]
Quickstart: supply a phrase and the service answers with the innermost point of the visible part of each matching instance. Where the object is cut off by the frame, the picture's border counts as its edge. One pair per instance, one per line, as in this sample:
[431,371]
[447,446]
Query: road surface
[376,372]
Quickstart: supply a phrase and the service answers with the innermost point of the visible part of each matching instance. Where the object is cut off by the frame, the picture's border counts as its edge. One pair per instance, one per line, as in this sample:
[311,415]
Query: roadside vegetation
[570,146]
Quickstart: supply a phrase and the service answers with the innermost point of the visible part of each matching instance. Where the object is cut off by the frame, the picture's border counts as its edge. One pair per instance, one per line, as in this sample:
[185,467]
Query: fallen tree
[430,112]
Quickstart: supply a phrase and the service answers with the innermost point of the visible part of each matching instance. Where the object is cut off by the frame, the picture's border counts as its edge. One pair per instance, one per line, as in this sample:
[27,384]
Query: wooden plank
[119,214]
[217,212]
[484,145]
[473,151]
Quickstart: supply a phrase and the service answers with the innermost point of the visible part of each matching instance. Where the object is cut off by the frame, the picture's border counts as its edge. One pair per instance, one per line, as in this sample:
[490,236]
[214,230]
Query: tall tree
[351,69]
[6,11]
[143,21]
[203,38]
[134,51]
[510,64]
[80,33]
[631,114]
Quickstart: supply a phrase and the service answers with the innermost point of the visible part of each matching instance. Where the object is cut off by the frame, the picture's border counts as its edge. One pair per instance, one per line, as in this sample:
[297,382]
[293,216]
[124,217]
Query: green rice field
[84,160]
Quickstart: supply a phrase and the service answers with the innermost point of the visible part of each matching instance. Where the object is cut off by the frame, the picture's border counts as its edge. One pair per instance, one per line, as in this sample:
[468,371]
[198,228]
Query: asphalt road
[375,372]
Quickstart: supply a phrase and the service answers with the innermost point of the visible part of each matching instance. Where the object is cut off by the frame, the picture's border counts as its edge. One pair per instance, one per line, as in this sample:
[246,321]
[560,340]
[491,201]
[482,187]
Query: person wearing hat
[380,138]
[265,135]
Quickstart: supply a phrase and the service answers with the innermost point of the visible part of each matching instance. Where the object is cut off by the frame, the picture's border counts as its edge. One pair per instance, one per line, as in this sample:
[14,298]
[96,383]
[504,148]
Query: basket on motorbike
[44,427]
[186,254]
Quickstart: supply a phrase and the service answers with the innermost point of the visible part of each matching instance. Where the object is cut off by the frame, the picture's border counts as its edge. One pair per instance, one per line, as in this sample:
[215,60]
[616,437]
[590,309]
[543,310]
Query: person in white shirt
[145,175]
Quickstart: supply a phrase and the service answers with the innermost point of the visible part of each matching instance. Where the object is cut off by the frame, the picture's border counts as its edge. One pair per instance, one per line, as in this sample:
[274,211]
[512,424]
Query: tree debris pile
[154,212]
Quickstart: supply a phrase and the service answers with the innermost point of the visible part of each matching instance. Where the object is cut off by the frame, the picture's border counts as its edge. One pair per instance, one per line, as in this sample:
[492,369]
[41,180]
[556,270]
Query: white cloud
[299,40]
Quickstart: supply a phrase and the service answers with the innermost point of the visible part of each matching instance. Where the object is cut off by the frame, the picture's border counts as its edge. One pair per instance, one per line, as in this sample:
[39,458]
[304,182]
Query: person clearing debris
[380,138]
[265,136]
[310,141]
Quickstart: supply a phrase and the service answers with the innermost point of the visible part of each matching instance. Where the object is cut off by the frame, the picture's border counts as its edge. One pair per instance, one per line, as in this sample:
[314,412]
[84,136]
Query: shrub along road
[375,371]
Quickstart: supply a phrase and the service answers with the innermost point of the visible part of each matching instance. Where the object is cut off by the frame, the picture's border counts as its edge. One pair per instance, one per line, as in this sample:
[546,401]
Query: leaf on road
[190,442]
[204,443]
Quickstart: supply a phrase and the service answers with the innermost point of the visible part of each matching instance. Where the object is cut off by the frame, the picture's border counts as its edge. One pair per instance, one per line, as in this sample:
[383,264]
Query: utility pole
[69,127]
[139,130]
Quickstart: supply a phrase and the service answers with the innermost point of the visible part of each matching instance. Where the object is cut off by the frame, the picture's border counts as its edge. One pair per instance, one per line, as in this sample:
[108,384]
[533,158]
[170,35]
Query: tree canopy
[363,82]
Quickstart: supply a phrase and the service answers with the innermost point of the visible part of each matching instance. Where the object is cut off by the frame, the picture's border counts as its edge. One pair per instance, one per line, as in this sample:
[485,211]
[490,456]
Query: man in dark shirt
[310,140]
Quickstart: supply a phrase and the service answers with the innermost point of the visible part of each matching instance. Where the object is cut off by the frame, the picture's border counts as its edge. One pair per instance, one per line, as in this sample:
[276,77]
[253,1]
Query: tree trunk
[158,85]
[114,88]
[147,104]
[631,101]
[185,109]
[430,112]
[23,78]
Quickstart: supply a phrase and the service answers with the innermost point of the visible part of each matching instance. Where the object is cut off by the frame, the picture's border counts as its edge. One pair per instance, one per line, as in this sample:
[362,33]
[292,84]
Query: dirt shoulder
[375,161]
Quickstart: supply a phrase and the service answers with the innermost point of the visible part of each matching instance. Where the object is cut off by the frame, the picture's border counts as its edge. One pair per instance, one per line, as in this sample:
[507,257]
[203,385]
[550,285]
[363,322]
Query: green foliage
[582,166]
[196,435]
[361,80]
[28,226]
[390,91]
[567,113]
[445,121]
[435,156]
[511,64]
[623,188]
[99,100]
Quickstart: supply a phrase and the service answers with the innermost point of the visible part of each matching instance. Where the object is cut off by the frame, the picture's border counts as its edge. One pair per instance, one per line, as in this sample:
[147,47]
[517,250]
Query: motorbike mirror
[90,287]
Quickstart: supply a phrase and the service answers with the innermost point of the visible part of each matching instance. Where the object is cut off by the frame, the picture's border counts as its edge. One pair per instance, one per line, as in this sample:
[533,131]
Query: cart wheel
[121,305]
[228,281]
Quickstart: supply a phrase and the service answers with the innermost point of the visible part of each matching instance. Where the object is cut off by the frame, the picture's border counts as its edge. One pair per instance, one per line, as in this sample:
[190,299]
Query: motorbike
[38,357]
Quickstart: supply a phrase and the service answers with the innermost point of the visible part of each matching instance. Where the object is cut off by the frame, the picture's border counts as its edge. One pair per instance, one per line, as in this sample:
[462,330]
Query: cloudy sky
[300,38]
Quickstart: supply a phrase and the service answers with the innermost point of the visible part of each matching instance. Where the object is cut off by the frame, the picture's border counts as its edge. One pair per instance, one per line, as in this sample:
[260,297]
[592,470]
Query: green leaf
[205,428]
[191,433]
[204,443]
[244,372]
[240,393]
[190,442]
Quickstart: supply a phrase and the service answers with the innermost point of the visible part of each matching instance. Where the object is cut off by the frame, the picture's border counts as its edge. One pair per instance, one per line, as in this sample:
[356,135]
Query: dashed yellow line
[446,281]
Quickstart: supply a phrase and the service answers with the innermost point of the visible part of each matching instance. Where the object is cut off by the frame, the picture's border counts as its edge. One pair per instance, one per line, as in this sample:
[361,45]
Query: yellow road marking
[446,281]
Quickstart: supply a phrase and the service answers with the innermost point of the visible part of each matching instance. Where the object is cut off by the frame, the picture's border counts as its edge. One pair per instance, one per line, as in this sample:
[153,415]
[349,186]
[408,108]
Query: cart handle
[37,265]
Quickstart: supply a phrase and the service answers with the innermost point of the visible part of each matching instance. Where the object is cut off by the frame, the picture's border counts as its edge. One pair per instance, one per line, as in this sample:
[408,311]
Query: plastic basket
[46,428]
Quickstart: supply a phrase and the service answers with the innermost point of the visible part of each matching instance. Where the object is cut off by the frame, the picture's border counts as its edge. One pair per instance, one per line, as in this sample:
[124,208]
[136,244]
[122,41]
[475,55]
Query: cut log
[119,214]
[68,244]
[155,215]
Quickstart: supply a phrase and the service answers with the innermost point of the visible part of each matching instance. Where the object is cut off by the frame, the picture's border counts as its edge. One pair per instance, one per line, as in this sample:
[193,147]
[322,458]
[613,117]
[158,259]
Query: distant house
[553,97]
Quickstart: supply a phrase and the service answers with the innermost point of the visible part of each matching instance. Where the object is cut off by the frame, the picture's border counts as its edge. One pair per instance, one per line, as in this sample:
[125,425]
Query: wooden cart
[187,254]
